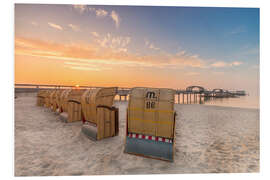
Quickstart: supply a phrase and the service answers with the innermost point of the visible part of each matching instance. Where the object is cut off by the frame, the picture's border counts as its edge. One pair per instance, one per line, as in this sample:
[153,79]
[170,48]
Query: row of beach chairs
[94,107]
[150,118]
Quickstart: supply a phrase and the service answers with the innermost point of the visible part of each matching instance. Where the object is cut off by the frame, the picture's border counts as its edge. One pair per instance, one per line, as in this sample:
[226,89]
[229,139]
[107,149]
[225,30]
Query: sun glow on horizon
[97,46]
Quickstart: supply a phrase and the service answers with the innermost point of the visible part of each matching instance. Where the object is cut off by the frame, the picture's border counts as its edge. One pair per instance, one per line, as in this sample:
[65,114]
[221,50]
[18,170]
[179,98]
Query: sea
[248,101]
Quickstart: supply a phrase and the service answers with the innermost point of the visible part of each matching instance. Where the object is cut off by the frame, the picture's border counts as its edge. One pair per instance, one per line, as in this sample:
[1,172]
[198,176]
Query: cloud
[195,56]
[109,51]
[218,73]
[34,23]
[23,43]
[219,64]
[150,45]
[115,43]
[115,17]
[94,34]
[55,26]
[47,48]
[112,52]
[146,43]
[236,63]
[222,64]
[80,8]
[74,27]
[83,8]
[192,73]
[92,9]
[85,66]
[187,61]
[101,13]
[98,12]
[181,53]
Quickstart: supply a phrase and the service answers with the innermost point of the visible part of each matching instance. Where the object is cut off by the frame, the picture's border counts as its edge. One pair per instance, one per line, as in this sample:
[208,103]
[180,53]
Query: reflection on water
[242,101]
[248,101]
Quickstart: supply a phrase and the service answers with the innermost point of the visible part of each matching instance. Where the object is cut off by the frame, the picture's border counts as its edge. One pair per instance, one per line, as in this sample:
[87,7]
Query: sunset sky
[129,46]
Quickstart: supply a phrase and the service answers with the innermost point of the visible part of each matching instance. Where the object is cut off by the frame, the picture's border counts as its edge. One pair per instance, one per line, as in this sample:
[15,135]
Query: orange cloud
[95,34]
[74,27]
[55,26]
[115,43]
[34,23]
[150,45]
[221,64]
[80,8]
[109,51]
[101,13]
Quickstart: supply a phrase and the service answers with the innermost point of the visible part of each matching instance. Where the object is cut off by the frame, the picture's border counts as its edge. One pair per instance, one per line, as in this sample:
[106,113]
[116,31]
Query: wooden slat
[156,120]
[107,122]
[112,128]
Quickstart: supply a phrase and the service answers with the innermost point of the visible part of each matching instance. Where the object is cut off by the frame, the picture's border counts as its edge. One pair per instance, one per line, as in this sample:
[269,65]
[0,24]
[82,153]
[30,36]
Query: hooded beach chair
[41,97]
[47,98]
[62,100]
[58,100]
[72,110]
[100,118]
[150,125]
[52,99]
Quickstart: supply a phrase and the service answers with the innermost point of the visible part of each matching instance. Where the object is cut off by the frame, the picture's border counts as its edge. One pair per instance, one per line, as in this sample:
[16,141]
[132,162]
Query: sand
[209,139]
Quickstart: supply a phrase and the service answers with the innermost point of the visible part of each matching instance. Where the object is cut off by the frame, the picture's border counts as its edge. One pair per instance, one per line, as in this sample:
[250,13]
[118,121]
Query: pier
[190,95]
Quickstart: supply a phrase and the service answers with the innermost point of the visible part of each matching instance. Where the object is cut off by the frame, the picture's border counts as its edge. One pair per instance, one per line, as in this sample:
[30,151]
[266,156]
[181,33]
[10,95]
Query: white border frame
[7,79]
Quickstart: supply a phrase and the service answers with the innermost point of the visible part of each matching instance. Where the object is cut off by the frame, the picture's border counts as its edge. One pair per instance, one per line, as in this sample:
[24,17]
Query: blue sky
[197,45]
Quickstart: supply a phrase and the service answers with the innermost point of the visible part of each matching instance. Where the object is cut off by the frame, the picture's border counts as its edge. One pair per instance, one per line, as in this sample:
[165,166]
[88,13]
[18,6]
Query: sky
[129,46]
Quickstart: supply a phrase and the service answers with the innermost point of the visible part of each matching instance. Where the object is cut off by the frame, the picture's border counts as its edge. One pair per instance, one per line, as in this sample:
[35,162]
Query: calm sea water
[242,101]
[249,101]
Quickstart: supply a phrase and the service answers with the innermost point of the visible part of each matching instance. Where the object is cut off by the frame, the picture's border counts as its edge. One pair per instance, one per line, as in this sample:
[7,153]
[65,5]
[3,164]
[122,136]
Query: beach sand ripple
[209,139]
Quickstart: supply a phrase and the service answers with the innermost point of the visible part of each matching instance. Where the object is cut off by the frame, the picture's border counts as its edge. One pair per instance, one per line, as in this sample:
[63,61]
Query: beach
[209,139]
